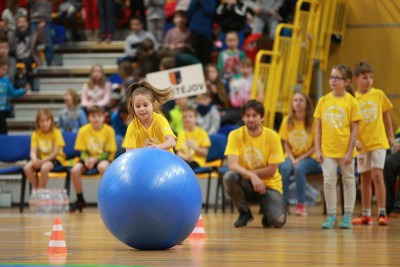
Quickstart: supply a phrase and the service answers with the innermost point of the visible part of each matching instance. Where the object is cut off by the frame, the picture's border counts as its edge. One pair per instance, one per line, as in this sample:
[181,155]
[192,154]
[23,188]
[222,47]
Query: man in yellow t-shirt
[254,153]
[193,142]
[96,141]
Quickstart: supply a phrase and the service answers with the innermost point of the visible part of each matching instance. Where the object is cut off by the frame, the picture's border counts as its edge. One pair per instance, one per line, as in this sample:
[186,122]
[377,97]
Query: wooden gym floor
[24,240]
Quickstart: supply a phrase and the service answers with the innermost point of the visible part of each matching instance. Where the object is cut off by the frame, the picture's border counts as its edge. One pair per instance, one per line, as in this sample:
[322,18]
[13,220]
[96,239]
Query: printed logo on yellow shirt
[335,117]
[369,111]
[253,157]
[45,146]
[298,139]
[95,145]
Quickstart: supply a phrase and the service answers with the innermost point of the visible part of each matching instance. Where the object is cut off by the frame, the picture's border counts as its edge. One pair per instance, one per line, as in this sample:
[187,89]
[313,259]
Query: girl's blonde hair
[44,112]
[156,96]
[75,97]
[309,118]
[91,83]
[347,74]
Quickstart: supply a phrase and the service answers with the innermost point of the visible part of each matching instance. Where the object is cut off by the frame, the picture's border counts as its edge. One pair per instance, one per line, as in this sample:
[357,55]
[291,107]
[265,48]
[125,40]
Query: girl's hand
[348,158]
[359,146]
[319,156]
[37,163]
[391,141]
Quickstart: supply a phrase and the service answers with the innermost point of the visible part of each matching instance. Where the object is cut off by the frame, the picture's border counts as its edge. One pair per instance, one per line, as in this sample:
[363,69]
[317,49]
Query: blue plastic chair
[15,148]
[215,152]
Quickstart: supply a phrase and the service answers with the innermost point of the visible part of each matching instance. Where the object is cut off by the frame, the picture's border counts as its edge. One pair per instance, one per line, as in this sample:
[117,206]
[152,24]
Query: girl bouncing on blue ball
[148,128]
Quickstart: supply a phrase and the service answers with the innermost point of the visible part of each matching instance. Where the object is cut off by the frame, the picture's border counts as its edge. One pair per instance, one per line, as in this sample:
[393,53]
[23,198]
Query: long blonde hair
[44,112]
[91,83]
[156,96]
[308,119]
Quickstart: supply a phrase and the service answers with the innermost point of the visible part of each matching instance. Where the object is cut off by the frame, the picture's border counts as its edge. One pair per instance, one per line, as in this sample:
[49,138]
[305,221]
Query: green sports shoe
[346,222]
[330,222]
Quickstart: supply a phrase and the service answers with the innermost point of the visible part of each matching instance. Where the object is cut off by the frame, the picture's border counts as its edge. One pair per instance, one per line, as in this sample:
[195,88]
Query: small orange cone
[57,243]
[198,232]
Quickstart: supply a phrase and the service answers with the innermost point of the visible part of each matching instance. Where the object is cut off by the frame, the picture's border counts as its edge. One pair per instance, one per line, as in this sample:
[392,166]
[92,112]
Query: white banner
[187,81]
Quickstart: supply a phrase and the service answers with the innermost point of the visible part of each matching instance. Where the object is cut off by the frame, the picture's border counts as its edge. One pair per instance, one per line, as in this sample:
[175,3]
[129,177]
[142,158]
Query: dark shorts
[95,165]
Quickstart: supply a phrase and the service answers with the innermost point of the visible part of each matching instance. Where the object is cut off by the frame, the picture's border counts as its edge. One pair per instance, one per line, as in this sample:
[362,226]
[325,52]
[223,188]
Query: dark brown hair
[309,119]
[362,67]
[156,96]
[254,104]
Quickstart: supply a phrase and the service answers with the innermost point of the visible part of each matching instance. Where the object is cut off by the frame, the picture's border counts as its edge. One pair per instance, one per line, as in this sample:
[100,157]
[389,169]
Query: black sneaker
[243,219]
[78,205]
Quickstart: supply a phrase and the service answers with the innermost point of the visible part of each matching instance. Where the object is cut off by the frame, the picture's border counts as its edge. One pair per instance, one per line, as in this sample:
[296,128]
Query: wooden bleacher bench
[35,97]
[70,71]
[90,47]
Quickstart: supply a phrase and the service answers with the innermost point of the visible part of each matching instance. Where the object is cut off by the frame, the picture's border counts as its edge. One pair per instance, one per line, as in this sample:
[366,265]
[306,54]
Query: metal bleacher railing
[289,66]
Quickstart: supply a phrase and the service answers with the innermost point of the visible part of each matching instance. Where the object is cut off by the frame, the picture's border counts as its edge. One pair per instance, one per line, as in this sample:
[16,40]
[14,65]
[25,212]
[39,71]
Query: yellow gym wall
[373,33]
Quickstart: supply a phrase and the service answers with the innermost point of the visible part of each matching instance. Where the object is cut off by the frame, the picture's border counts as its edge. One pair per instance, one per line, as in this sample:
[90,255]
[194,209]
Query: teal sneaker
[330,222]
[346,222]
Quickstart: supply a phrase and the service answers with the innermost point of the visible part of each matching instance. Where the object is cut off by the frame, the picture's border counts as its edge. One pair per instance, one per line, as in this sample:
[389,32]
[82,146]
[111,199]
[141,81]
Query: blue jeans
[106,16]
[48,51]
[303,168]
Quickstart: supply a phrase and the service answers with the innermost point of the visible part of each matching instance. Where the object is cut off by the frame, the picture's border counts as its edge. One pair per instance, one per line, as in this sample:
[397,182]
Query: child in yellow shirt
[375,137]
[96,141]
[148,128]
[46,149]
[337,115]
[193,142]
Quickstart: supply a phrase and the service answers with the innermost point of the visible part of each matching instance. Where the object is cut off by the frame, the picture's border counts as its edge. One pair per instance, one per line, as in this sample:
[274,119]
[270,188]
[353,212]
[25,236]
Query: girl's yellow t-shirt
[257,152]
[372,132]
[96,142]
[199,137]
[336,115]
[297,136]
[137,136]
[45,143]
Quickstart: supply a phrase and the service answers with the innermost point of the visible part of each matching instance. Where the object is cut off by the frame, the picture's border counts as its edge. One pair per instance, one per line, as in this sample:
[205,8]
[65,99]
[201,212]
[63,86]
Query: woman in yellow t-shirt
[46,149]
[337,115]
[298,132]
[375,137]
[148,128]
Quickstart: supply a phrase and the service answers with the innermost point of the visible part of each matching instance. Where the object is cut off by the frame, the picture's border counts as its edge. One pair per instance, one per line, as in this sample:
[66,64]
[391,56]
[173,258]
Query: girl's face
[364,82]
[97,73]
[337,82]
[4,49]
[212,74]
[181,102]
[179,21]
[143,107]
[246,70]
[45,123]
[299,103]
[69,102]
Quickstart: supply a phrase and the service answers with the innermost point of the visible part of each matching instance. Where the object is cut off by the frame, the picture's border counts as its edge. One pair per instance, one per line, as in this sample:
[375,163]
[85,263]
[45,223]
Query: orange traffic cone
[57,243]
[198,232]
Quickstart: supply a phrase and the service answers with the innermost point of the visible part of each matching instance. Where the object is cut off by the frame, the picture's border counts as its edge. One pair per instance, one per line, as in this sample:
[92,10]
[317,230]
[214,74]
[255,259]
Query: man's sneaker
[362,220]
[330,222]
[346,222]
[243,219]
[301,210]
[383,220]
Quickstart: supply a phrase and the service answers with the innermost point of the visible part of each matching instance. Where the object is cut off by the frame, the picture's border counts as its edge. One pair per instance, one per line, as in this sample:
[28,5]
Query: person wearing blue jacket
[7,90]
[201,14]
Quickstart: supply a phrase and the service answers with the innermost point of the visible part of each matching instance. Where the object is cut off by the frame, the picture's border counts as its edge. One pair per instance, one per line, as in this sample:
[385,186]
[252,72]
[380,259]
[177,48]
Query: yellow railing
[335,14]
[290,61]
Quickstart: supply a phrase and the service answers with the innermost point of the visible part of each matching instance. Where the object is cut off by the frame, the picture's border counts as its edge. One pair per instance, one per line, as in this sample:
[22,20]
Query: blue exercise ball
[149,199]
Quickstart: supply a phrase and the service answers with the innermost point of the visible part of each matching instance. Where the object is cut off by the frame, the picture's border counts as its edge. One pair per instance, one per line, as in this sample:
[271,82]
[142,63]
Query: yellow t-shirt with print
[45,143]
[96,142]
[372,132]
[199,137]
[336,115]
[137,136]
[257,152]
[297,136]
